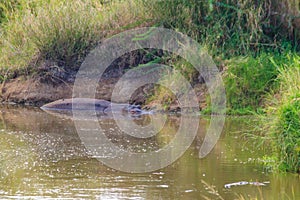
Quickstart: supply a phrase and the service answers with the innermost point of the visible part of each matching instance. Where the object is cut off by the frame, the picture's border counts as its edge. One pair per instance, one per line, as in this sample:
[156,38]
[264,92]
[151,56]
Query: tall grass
[285,129]
[241,31]
[6,7]
[250,80]
[63,31]
[228,27]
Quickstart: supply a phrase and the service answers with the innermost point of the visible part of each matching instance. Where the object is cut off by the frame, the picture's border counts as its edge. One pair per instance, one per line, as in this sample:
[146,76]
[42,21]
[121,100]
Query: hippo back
[77,104]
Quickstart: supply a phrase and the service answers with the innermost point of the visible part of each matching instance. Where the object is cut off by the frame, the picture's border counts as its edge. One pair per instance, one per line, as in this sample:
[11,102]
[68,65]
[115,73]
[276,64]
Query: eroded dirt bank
[32,91]
[51,82]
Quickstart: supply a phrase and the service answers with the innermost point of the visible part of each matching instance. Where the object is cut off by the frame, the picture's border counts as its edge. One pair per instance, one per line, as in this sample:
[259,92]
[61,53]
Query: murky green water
[42,156]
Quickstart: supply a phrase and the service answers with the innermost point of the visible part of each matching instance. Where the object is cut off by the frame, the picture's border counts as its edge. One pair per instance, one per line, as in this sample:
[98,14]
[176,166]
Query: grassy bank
[249,80]
[62,32]
[270,85]
[243,39]
[284,130]
[34,31]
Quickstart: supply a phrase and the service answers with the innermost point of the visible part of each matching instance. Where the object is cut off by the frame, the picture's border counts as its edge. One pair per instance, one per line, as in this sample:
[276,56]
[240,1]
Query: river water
[42,156]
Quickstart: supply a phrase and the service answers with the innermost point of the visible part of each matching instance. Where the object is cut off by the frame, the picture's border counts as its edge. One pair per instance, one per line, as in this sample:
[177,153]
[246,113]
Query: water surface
[42,156]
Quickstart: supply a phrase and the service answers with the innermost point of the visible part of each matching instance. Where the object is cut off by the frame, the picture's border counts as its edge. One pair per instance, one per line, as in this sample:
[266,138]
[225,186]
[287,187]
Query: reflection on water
[43,156]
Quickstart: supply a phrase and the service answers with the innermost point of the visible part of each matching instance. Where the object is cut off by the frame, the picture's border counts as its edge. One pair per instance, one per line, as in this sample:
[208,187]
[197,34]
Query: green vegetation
[272,82]
[230,27]
[239,36]
[61,31]
[6,8]
[249,80]
[285,128]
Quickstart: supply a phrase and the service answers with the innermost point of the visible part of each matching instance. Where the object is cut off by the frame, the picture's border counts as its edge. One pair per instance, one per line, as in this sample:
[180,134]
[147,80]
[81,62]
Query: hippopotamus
[90,104]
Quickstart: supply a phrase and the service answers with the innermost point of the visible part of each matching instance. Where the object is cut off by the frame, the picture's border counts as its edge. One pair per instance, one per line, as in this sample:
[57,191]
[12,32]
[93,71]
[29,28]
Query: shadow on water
[43,156]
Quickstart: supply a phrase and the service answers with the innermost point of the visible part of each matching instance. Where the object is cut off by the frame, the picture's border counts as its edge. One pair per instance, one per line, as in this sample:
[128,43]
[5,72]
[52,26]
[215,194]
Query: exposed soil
[52,82]
[33,91]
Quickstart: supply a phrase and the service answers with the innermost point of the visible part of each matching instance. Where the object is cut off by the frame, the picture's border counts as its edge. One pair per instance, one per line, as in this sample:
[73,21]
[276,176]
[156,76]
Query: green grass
[247,80]
[228,27]
[36,31]
[240,37]
[62,32]
[250,80]
[285,128]
[6,7]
